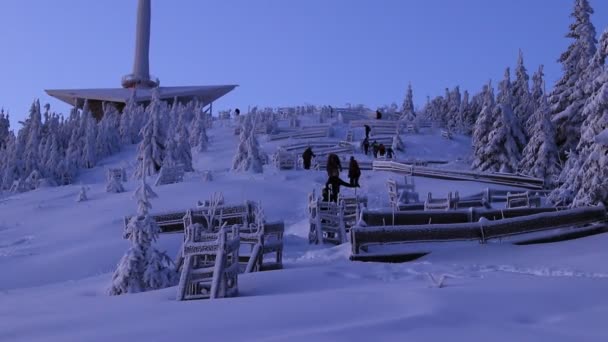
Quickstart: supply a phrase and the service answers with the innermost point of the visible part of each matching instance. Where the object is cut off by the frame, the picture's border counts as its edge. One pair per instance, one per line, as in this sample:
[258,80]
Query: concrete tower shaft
[140,78]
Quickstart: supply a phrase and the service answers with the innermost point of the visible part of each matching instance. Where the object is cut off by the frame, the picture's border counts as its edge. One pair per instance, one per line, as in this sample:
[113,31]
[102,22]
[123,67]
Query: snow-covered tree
[114,186]
[408,112]
[151,150]
[540,157]
[5,126]
[143,267]
[248,156]
[536,96]
[568,96]
[574,177]
[483,127]
[453,115]
[506,140]
[523,105]
[89,126]
[397,144]
[178,150]
[591,188]
[467,116]
[198,132]
[82,195]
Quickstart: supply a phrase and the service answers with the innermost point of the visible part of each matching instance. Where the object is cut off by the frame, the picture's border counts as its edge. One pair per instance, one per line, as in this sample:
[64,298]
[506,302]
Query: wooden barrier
[482,230]
[211,265]
[484,177]
[446,134]
[331,222]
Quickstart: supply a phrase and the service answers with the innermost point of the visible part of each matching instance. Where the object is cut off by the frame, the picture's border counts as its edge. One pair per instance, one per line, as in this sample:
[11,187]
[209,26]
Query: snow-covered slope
[56,259]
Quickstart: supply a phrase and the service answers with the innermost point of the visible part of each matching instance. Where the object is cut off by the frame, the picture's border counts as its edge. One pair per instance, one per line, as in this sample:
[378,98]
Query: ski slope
[57,257]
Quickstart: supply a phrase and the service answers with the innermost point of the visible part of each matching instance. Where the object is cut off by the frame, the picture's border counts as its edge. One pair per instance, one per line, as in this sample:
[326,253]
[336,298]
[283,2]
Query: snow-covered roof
[205,94]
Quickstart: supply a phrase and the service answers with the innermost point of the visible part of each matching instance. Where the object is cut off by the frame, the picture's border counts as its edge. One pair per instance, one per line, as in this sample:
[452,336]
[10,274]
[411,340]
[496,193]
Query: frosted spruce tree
[453,114]
[143,267]
[198,132]
[82,195]
[571,177]
[540,157]
[247,158]
[408,112]
[506,140]
[114,186]
[482,129]
[89,127]
[178,150]
[591,186]
[536,97]
[523,105]
[151,150]
[567,98]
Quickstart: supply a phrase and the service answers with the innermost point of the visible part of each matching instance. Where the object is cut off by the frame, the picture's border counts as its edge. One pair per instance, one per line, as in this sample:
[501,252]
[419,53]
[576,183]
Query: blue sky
[281,52]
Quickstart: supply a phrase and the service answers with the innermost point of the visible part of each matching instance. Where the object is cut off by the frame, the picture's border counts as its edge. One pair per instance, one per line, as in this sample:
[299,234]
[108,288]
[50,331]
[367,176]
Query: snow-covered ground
[57,256]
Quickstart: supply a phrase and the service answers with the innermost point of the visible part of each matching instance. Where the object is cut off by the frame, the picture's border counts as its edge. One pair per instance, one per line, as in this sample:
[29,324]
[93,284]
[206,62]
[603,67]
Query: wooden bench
[523,199]
[446,134]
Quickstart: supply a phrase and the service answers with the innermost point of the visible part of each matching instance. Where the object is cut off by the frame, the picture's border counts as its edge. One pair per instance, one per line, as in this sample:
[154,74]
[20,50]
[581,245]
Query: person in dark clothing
[325,194]
[390,153]
[237,112]
[354,172]
[334,167]
[307,157]
[366,145]
[333,184]
[375,148]
[381,150]
[378,114]
[367,131]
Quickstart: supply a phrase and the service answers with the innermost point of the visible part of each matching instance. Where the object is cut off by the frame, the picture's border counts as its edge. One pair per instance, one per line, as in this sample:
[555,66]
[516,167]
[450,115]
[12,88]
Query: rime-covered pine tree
[247,158]
[453,117]
[198,132]
[536,96]
[143,267]
[82,195]
[408,112]
[114,186]
[482,129]
[467,117]
[591,186]
[523,105]
[151,150]
[89,127]
[540,157]
[572,178]
[568,96]
[506,139]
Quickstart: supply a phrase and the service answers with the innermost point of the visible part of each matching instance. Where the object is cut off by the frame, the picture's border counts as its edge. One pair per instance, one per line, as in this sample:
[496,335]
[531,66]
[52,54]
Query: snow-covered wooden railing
[446,134]
[331,222]
[211,267]
[386,140]
[305,133]
[300,146]
[393,125]
[407,195]
[265,240]
[441,203]
[468,226]
[484,177]
[522,199]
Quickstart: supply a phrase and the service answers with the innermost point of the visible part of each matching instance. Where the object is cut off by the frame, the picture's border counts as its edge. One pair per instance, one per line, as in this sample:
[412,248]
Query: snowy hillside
[57,257]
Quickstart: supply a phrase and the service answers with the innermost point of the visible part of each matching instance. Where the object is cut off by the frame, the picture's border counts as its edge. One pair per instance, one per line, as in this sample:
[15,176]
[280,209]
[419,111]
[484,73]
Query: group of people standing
[377,149]
[333,168]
